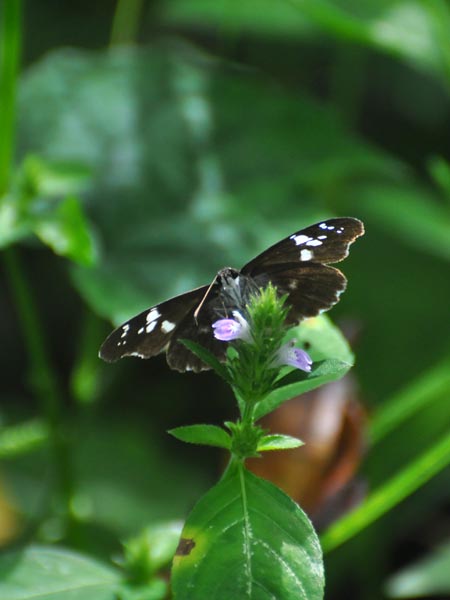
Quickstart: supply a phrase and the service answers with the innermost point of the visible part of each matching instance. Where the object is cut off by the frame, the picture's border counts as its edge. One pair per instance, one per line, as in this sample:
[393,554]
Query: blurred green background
[159,141]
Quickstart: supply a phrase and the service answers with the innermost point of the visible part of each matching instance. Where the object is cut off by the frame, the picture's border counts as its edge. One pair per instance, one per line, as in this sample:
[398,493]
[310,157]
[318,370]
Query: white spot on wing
[323,226]
[167,326]
[300,239]
[141,330]
[153,315]
[151,326]
[306,254]
[314,243]
[125,329]
[322,237]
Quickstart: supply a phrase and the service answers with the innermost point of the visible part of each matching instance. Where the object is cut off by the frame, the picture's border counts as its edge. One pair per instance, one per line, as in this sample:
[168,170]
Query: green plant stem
[43,376]
[389,495]
[10,38]
[125,22]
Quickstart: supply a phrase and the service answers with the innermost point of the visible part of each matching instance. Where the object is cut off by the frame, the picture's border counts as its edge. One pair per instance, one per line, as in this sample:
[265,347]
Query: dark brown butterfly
[296,266]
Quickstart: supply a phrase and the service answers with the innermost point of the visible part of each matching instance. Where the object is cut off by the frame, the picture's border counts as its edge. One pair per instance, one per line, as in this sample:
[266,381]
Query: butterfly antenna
[197,310]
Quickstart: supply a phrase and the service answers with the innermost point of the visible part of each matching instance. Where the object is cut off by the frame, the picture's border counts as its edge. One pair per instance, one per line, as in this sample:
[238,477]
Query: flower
[227,330]
[288,354]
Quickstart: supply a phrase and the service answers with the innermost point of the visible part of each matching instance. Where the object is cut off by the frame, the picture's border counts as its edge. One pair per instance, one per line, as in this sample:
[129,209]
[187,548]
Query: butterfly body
[297,266]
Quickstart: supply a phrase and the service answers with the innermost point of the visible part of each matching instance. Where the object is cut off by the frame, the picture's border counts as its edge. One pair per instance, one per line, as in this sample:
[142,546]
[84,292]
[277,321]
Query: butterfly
[298,266]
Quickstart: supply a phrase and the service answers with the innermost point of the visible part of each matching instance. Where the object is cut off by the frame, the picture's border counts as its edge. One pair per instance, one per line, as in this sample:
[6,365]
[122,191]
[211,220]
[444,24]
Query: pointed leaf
[297,383]
[208,435]
[246,539]
[278,441]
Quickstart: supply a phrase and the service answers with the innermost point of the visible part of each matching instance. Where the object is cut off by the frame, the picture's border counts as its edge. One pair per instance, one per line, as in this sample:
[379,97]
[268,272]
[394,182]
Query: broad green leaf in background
[429,576]
[173,172]
[322,339]
[55,574]
[247,539]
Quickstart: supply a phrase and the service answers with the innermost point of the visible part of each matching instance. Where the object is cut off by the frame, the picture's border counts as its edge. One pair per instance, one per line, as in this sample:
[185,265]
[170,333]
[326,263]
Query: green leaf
[55,574]
[208,435]
[429,576]
[151,550]
[322,372]
[22,438]
[247,539]
[322,339]
[66,231]
[207,357]
[389,495]
[278,441]
[52,179]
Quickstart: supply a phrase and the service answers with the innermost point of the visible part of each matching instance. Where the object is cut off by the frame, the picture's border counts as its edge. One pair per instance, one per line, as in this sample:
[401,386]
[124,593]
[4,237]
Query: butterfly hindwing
[199,330]
[150,332]
[311,287]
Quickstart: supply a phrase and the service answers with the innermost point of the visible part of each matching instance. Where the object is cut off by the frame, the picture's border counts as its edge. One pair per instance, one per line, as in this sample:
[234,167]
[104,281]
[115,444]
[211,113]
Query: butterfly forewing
[150,332]
[325,242]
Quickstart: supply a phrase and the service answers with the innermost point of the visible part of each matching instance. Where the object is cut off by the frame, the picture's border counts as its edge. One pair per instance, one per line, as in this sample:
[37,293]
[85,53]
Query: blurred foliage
[409,29]
[429,576]
[151,166]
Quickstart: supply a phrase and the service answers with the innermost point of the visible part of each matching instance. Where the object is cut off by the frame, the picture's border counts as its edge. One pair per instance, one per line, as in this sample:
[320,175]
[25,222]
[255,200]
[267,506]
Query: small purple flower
[227,330]
[288,354]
